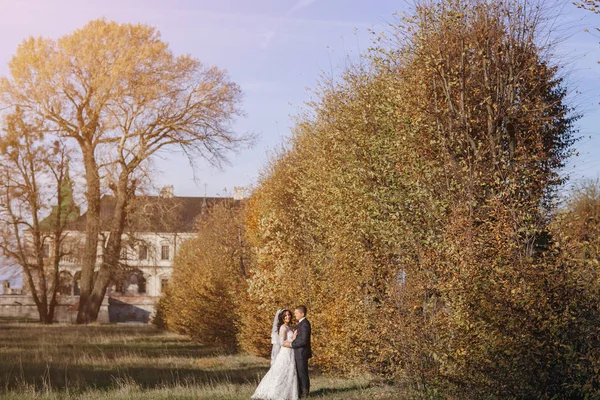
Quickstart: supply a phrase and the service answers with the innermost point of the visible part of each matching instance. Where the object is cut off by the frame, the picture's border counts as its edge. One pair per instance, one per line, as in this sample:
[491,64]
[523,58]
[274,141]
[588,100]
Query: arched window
[76,279]
[65,283]
[46,250]
[137,278]
[130,282]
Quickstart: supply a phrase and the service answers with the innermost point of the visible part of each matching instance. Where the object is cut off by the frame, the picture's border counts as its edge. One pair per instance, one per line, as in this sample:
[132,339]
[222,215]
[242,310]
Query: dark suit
[302,352]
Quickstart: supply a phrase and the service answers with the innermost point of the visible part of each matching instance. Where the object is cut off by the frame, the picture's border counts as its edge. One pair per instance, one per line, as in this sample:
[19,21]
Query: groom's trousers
[303,379]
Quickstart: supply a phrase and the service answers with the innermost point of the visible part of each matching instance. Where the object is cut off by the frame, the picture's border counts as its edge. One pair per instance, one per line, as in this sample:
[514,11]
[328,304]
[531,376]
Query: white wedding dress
[281,381]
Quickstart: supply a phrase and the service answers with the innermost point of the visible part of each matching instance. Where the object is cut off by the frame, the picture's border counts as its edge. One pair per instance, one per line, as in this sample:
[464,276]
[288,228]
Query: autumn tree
[489,117]
[33,175]
[579,220]
[208,285]
[277,234]
[119,95]
[411,211]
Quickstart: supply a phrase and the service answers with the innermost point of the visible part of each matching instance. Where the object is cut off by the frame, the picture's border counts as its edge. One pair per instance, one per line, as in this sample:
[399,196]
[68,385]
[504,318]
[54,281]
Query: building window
[163,284]
[137,280]
[46,250]
[76,279]
[143,253]
[129,283]
[123,253]
[65,283]
[164,252]
[68,254]
[141,282]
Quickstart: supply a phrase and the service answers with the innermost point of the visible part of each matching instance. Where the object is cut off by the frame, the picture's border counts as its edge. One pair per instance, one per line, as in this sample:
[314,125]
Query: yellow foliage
[208,286]
[409,213]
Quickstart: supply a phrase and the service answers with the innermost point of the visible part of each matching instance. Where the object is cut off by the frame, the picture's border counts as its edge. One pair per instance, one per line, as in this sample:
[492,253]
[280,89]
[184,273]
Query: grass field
[139,362]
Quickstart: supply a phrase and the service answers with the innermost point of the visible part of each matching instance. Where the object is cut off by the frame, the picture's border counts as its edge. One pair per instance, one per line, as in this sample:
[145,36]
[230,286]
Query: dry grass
[138,362]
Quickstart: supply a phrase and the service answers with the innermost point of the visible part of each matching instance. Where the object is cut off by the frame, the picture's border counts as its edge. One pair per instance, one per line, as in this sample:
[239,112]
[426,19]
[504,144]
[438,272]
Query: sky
[276,50]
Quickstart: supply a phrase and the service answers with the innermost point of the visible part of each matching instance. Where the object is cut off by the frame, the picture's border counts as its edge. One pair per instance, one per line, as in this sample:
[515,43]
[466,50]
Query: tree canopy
[411,212]
[118,95]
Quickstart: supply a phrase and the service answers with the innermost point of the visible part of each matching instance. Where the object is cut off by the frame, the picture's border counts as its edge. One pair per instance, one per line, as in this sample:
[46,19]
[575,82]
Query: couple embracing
[288,377]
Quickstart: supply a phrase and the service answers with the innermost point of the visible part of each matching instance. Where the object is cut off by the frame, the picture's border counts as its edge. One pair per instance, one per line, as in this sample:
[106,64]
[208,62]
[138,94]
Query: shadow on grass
[98,357]
[8,320]
[58,377]
[115,351]
[144,351]
[329,391]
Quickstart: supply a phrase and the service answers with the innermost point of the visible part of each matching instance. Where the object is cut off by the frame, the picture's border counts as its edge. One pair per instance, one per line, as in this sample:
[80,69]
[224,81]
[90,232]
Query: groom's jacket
[301,345]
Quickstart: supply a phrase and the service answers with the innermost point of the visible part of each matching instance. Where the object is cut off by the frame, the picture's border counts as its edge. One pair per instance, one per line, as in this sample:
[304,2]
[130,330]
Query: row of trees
[414,212]
[101,102]
[205,296]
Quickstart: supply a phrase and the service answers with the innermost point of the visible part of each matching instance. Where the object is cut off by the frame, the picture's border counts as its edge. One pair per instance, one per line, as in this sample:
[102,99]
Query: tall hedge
[209,284]
[413,212]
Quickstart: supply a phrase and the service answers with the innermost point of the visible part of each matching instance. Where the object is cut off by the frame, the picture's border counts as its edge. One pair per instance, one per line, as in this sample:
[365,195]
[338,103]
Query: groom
[302,351]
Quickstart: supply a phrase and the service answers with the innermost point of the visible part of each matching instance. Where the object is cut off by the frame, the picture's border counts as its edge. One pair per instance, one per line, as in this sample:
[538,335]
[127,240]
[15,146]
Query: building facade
[155,229]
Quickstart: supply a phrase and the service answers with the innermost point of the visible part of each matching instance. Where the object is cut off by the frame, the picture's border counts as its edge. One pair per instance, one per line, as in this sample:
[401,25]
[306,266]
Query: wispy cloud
[268,35]
[300,4]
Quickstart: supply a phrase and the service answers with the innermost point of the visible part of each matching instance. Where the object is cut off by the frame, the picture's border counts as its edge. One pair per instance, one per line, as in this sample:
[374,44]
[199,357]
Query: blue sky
[275,50]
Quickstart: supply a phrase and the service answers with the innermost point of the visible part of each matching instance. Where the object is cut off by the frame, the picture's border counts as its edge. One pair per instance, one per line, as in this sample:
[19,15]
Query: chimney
[167,192]
[239,192]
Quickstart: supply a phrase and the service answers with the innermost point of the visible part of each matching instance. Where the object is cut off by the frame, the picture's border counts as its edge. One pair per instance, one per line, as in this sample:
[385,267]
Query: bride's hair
[282,315]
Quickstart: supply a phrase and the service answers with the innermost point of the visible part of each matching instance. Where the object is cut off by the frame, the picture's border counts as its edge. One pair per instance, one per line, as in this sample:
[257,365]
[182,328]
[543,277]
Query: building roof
[154,213]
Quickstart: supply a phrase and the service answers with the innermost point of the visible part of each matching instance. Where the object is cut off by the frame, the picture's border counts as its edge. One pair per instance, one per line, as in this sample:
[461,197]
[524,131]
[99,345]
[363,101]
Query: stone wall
[23,307]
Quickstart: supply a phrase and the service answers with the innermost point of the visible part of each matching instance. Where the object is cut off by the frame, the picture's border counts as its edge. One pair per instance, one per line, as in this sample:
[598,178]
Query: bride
[281,381]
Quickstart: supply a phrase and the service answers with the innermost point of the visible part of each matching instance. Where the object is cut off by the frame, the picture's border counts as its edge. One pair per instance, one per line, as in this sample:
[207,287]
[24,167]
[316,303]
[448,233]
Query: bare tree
[33,173]
[118,92]
[592,5]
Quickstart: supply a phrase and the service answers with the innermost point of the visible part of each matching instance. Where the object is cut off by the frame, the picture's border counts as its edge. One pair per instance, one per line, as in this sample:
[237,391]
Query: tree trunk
[110,262]
[43,316]
[39,304]
[92,228]
[91,307]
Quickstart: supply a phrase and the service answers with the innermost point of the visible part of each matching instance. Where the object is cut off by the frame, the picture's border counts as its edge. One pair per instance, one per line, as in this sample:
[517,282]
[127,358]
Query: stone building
[155,230]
